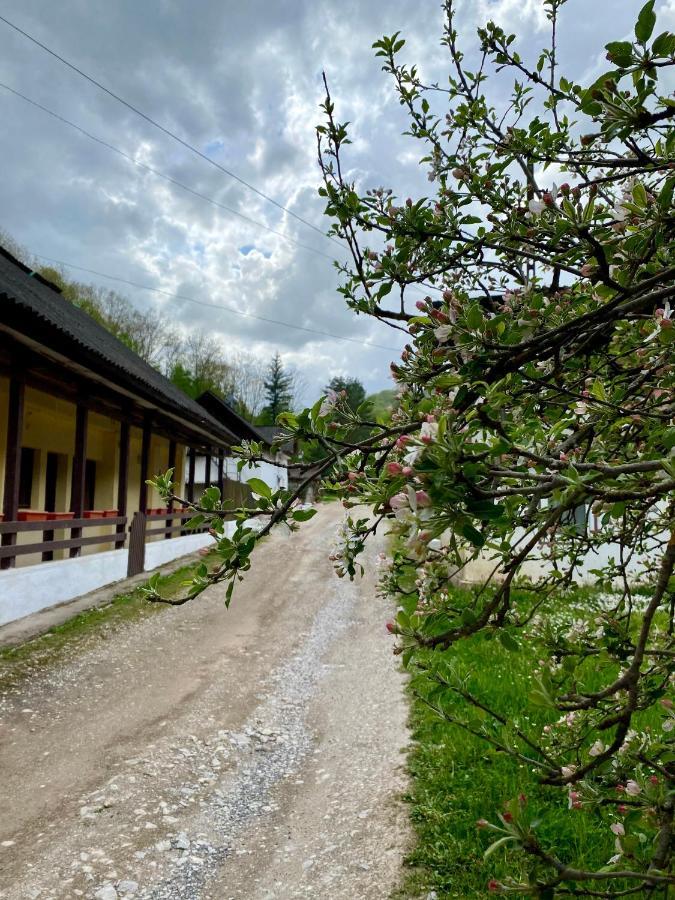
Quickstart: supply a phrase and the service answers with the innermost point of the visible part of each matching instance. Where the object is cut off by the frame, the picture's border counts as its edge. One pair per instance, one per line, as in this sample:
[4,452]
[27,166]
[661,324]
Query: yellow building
[84,422]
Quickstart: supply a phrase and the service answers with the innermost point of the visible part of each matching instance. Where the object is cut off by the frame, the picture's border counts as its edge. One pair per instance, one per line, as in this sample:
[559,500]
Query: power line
[165,130]
[159,174]
[232,309]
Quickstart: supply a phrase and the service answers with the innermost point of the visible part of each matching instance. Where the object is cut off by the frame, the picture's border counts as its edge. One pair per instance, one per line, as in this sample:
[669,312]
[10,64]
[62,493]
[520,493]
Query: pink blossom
[632,788]
[391,628]
[407,470]
[482,823]
[394,468]
[399,501]
[617,828]
[428,432]
[423,499]
[402,441]
[421,305]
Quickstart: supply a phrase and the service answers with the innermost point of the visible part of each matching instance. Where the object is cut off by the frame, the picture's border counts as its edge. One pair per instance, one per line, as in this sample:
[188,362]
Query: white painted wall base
[31,589]
[159,552]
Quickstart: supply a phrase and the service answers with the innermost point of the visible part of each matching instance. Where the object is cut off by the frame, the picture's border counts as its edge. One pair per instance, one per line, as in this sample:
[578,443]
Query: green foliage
[278,392]
[383,404]
[532,442]
[354,392]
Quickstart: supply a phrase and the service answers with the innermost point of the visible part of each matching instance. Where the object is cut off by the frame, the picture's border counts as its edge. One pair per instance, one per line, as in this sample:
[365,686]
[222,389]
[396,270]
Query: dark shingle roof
[33,305]
[220,410]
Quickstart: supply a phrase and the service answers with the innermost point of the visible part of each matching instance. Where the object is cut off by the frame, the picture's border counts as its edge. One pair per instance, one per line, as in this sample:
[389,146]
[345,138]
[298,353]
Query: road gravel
[206,754]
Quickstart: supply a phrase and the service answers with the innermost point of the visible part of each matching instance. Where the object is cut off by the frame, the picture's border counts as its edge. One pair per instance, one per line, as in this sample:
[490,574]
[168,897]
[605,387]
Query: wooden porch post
[221,462]
[191,475]
[17,392]
[145,459]
[79,468]
[122,482]
[172,465]
[207,469]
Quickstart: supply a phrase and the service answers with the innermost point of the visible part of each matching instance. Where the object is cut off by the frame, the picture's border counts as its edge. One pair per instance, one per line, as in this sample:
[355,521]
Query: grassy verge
[84,629]
[457,778]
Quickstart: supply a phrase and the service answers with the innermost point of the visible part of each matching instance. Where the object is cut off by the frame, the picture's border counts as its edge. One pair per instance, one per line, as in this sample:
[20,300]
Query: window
[26,477]
[89,484]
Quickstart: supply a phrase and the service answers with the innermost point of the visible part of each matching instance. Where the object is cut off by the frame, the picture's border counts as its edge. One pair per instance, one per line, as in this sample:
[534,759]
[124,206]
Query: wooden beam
[172,465]
[207,468]
[191,476]
[122,482]
[79,469]
[145,460]
[221,462]
[15,412]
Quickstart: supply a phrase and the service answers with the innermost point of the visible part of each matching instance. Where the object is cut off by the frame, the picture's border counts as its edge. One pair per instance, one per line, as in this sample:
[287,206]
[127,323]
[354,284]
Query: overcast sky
[241,80]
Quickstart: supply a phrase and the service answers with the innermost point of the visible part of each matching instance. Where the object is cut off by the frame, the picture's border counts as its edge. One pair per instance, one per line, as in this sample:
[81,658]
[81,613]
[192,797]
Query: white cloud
[243,82]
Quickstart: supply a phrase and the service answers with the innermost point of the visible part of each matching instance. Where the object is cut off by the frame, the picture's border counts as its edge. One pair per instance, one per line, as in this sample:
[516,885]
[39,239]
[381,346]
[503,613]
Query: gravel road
[209,754]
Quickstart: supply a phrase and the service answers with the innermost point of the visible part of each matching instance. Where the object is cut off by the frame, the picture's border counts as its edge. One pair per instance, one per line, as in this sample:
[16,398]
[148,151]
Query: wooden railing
[9,531]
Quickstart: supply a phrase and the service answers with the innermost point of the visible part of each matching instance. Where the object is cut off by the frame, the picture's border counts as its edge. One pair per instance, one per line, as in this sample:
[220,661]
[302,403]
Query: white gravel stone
[107,892]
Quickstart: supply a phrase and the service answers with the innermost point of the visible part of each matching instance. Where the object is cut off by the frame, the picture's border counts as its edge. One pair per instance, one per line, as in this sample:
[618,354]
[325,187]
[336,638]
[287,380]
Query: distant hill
[383,403]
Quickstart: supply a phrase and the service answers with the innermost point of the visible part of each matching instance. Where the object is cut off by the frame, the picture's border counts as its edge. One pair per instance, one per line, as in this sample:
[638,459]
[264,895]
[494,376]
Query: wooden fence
[172,525]
[9,531]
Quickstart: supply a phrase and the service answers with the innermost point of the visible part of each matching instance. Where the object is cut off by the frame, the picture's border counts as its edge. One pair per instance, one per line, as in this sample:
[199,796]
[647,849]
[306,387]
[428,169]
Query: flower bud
[394,468]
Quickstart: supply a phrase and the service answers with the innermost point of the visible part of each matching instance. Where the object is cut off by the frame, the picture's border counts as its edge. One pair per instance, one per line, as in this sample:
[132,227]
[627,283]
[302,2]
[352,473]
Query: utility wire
[165,130]
[219,306]
[159,174]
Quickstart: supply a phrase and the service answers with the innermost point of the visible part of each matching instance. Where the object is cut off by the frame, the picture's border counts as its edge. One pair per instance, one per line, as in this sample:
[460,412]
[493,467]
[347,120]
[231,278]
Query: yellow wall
[49,427]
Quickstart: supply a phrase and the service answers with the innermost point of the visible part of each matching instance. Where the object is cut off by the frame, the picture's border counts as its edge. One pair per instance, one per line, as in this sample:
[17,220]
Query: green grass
[84,629]
[457,778]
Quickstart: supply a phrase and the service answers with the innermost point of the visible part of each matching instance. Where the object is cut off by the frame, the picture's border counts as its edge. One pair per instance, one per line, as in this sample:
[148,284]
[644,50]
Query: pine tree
[278,391]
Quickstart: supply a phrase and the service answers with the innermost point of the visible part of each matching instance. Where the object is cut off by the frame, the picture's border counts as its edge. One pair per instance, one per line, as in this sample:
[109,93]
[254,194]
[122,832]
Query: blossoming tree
[535,426]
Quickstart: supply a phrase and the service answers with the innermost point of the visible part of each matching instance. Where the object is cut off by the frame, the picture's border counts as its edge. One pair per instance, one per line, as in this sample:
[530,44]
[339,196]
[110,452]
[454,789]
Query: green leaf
[620,53]
[485,509]
[228,593]
[259,487]
[303,515]
[646,22]
[474,317]
[640,195]
[195,522]
[406,584]
[473,535]
[497,844]
[664,44]
[468,616]
[508,642]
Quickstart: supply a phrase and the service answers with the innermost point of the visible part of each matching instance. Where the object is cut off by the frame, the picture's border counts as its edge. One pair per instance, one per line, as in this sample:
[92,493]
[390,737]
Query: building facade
[84,422]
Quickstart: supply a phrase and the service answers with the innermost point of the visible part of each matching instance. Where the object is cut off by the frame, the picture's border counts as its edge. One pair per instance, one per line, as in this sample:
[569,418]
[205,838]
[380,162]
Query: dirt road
[211,754]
